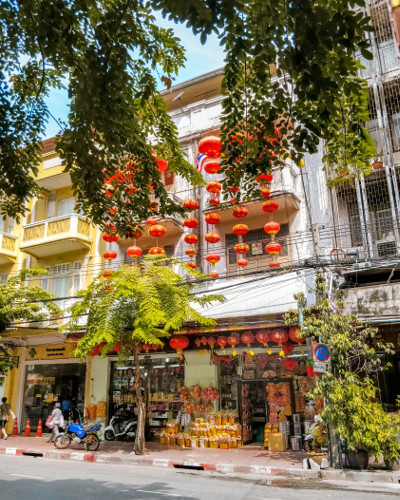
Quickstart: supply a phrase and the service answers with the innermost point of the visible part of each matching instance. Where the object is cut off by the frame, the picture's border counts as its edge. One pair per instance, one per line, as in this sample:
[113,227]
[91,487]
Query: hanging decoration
[262,337]
[108,273]
[213,188]
[241,248]
[213,258]
[279,336]
[157,231]
[192,265]
[110,255]
[270,206]
[110,238]
[134,252]
[179,342]
[191,222]
[273,248]
[156,251]
[212,237]
[191,239]
[240,229]
[290,363]
[287,348]
[212,218]
[212,167]
[265,192]
[242,262]
[274,264]
[247,338]
[190,252]
[222,341]
[214,274]
[211,341]
[239,212]
[162,165]
[151,221]
[190,204]
[233,341]
[214,201]
[210,146]
[295,335]
[272,228]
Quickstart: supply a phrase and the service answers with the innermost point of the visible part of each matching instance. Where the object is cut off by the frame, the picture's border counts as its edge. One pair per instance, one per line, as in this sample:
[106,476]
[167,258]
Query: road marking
[30,477]
[159,493]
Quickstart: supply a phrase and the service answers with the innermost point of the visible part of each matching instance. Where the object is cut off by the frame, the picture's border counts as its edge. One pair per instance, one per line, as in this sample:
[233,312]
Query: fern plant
[137,304]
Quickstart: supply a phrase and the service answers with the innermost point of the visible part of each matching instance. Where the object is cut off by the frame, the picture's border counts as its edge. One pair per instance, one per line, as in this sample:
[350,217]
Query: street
[41,479]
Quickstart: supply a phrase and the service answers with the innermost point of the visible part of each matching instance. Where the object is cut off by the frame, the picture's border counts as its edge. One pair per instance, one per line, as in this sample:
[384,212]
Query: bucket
[296,418]
[297,429]
[284,427]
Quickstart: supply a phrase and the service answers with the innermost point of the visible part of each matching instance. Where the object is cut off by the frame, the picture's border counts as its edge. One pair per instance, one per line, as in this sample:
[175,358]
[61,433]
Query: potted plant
[378,161]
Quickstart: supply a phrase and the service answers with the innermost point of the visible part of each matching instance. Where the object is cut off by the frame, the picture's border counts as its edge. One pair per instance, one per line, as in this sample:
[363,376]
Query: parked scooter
[122,425]
[77,433]
[316,428]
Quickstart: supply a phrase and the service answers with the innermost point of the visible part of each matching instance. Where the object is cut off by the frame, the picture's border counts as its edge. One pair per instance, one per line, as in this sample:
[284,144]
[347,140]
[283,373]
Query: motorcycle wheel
[92,442]
[62,441]
[109,435]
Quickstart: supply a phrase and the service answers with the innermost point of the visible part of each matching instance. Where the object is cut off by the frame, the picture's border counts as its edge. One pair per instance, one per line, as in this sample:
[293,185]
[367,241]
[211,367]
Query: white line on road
[30,477]
[159,493]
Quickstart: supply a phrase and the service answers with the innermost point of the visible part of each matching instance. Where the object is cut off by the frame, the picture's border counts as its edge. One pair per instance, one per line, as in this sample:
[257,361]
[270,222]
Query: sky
[200,59]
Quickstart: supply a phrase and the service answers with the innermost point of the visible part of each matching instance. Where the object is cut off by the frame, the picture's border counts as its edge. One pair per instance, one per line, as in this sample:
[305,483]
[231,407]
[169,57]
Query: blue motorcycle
[86,435]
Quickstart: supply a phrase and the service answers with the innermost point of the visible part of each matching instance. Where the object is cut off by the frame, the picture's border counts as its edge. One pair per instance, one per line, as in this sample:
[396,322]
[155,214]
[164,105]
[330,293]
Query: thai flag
[200,160]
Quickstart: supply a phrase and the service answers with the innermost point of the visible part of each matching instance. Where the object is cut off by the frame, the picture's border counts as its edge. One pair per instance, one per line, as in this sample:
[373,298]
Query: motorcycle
[123,424]
[79,434]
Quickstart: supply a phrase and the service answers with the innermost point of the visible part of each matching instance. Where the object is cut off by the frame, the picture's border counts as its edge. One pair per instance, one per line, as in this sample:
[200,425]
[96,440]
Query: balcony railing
[8,248]
[42,238]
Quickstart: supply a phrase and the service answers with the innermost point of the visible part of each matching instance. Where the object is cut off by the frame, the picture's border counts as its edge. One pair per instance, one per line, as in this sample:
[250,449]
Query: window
[45,279]
[3,278]
[77,278]
[66,206]
[60,280]
[51,205]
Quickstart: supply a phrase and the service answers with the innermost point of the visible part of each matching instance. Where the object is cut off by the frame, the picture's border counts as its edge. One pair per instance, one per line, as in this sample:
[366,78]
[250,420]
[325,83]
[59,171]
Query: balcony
[284,190]
[62,234]
[8,248]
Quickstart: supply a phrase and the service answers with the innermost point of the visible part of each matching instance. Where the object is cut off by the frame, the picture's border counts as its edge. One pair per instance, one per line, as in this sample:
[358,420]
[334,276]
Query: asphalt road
[27,478]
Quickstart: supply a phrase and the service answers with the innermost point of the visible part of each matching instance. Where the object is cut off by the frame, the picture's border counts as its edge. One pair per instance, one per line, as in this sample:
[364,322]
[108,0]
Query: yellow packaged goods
[92,412]
[101,409]
[276,441]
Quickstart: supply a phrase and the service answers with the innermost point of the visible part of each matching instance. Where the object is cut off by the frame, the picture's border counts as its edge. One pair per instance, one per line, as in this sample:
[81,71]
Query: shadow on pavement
[36,489]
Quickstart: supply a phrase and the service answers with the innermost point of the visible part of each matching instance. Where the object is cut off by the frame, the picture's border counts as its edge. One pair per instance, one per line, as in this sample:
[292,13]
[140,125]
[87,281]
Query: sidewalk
[244,460]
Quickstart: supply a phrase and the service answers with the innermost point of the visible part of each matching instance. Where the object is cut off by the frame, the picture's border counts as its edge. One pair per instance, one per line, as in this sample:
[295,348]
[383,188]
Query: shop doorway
[45,384]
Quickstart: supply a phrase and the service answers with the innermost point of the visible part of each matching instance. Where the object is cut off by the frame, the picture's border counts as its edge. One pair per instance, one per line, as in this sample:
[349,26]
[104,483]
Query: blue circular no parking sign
[321,352]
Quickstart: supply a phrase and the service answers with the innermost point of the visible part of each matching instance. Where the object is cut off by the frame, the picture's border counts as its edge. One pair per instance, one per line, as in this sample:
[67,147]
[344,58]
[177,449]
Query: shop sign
[41,381]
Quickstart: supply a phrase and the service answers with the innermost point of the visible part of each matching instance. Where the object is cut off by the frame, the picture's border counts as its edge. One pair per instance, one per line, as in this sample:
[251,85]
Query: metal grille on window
[77,277]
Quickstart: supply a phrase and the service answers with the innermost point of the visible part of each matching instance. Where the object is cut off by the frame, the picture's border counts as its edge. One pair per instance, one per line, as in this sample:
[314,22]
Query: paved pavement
[27,478]
[244,460]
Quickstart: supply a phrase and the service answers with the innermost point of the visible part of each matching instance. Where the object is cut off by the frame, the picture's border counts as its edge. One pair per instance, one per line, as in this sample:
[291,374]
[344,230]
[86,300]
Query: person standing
[58,422]
[5,414]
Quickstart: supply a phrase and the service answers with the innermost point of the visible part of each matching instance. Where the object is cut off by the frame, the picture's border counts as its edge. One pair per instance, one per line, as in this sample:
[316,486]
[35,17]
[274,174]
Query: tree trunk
[140,444]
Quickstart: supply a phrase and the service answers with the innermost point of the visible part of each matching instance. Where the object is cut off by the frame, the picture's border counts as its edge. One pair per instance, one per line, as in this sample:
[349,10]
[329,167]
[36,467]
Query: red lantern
[213,258]
[214,201]
[190,252]
[108,273]
[191,239]
[214,274]
[247,338]
[191,204]
[240,212]
[241,248]
[242,262]
[192,265]
[110,237]
[213,187]
[273,248]
[212,237]
[211,341]
[162,165]
[212,218]
[270,206]
[222,341]
[265,192]
[212,167]
[191,222]
[290,363]
[240,229]
[233,340]
[264,178]
[274,264]
[288,348]
[210,146]
[279,336]
[117,348]
[157,231]
[156,251]
[263,337]
[134,252]
[179,342]
[110,255]
[151,222]
[295,335]
[272,227]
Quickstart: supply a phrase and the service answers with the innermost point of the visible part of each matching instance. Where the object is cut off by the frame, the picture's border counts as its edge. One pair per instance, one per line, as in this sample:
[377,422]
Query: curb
[265,471]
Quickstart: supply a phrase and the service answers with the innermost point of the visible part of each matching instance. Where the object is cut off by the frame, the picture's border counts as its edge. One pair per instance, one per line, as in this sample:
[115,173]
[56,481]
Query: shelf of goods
[228,386]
